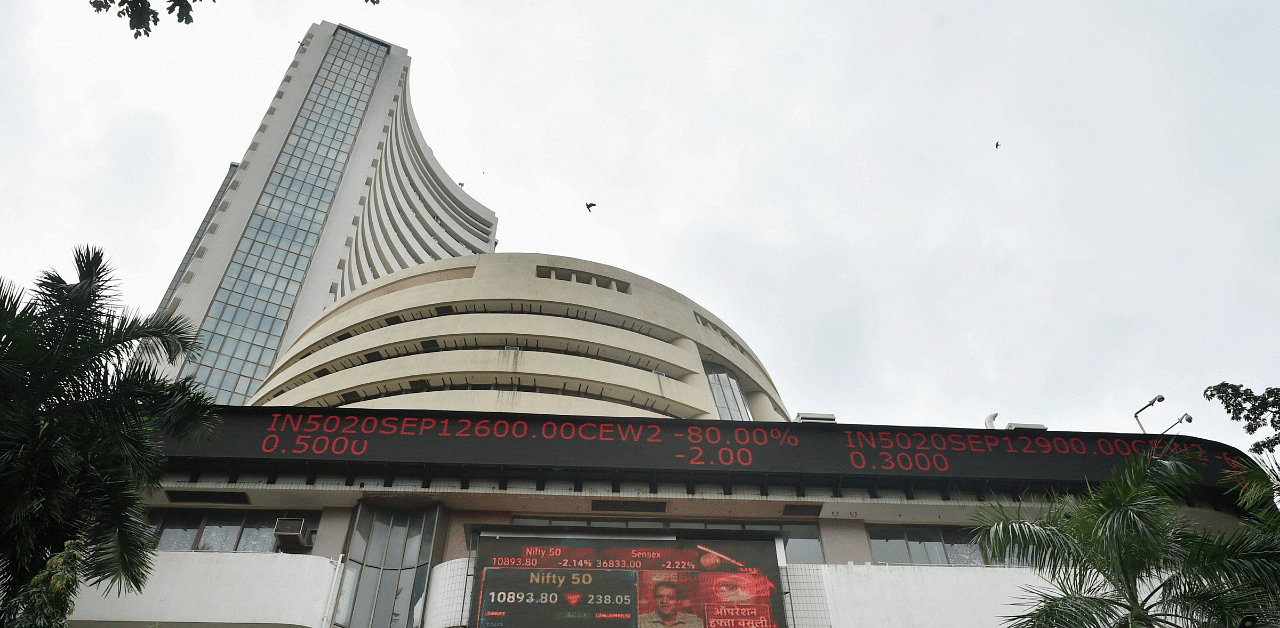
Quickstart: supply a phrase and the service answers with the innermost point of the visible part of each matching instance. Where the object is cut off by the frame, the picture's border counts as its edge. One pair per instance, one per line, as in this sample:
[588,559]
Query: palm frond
[1213,604]
[15,327]
[121,540]
[1246,557]
[1052,609]
[1036,544]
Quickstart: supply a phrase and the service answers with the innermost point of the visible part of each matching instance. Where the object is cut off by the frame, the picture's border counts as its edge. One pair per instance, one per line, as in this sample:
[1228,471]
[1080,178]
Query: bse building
[423,433]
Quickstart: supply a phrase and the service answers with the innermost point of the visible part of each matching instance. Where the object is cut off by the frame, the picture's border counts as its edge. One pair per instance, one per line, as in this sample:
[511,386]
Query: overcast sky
[823,177]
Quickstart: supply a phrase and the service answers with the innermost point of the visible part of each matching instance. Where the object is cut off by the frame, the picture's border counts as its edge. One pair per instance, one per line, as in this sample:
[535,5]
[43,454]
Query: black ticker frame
[465,445]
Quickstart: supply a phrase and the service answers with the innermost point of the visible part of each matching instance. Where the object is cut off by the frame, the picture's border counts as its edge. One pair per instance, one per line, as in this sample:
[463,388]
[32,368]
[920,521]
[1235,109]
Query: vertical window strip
[731,404]
[384,581]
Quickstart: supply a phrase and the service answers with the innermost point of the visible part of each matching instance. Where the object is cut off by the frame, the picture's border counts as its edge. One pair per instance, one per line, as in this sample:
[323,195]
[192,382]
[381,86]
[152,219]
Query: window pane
[342,614]
[891,551]
[360,539]
[961,550]
[221,531]
[608,524]
[378,539]
[964,554]
[382,608]
[362,610]
[419,599]
[413,544]
[395,540]
[888,545]
[259,532]
[804,552]
[802,545]
[884,532]
[428,536]
[404,597]
[925,546]
[798,531]
[178,533]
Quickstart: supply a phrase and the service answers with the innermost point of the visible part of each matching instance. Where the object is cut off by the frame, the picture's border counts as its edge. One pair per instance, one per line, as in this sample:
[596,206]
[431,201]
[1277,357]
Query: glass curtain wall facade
[245,322]
[385,579]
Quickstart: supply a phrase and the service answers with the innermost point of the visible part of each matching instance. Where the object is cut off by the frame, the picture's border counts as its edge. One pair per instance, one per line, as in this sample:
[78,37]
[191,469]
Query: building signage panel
[532,441]
[623,583]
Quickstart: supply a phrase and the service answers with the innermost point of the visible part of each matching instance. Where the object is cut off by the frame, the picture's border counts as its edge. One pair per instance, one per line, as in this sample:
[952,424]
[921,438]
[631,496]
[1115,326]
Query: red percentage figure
[783,437]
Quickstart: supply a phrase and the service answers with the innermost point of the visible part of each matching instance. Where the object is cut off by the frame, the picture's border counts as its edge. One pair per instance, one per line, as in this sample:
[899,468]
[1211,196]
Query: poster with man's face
[622,583]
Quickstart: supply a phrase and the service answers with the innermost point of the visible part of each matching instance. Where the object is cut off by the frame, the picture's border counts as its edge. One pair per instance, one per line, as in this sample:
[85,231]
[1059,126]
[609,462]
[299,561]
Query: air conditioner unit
[292,534]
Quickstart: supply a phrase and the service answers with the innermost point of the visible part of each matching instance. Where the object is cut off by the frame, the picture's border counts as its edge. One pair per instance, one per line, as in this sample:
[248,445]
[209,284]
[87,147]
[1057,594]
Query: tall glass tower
[331,194]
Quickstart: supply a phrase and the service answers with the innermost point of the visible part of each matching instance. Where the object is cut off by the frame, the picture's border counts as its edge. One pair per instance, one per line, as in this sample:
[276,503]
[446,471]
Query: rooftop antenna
[1154,401]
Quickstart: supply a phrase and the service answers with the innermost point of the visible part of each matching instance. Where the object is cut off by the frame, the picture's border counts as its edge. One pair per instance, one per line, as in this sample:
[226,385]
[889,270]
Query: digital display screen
[528,582]
[524,440]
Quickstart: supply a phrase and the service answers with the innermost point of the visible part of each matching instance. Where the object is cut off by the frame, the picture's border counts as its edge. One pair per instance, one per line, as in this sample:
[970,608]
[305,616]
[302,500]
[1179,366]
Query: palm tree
[1123,555]
[82,402]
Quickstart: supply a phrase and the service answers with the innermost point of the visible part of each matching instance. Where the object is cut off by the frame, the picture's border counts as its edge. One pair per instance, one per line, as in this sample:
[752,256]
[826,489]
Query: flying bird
[997,145]
[590,205]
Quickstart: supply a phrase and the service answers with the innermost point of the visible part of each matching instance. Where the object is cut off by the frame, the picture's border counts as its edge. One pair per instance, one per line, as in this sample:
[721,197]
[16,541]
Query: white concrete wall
[448,594]
[805,596]
[920,596]
[219,589]
[629,325]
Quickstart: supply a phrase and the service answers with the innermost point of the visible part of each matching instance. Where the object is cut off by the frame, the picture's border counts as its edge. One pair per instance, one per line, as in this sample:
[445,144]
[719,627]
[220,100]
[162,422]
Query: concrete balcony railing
[219,589]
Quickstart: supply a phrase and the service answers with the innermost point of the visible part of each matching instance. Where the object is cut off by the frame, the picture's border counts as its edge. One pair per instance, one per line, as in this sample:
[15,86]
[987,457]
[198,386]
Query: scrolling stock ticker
[516,440]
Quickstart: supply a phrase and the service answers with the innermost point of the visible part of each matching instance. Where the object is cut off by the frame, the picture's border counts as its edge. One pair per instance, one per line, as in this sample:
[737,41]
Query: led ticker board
[625,583]
[513,441]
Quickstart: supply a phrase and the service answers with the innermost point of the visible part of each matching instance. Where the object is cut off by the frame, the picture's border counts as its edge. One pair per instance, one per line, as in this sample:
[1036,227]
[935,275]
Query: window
[802,544]
[223,530]
[913,545]
[961,550]
[731,404]
[385,577]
